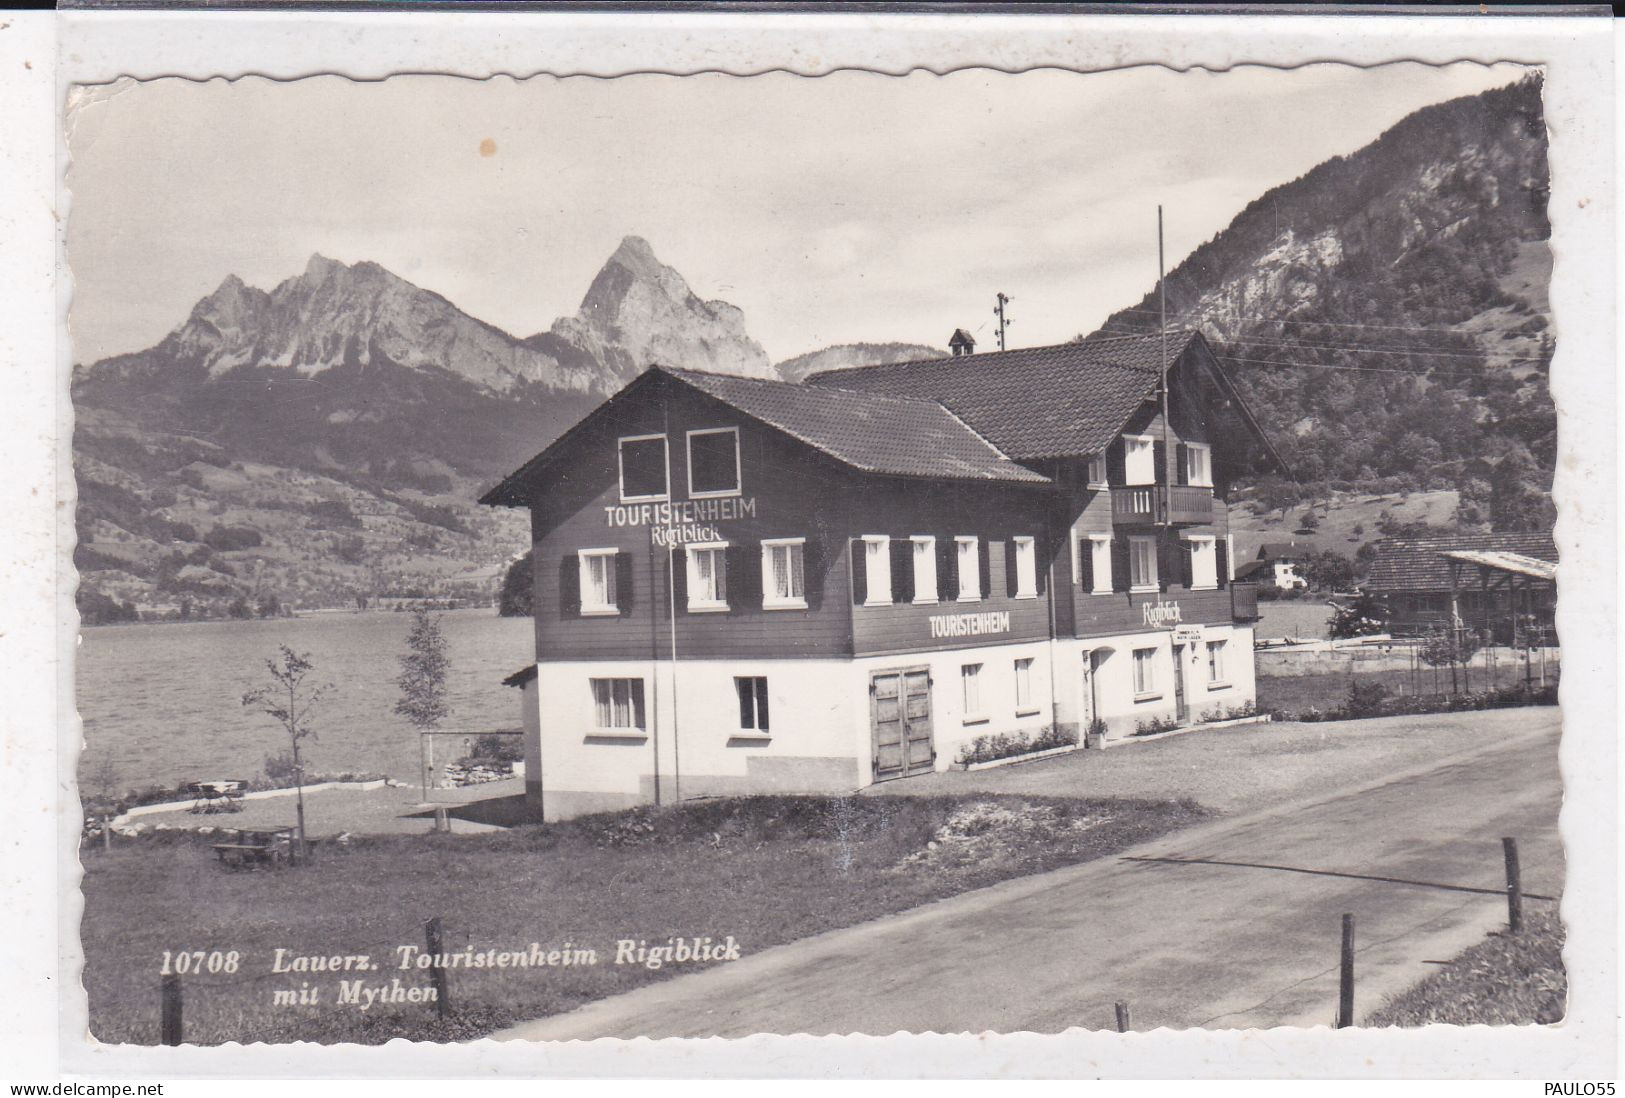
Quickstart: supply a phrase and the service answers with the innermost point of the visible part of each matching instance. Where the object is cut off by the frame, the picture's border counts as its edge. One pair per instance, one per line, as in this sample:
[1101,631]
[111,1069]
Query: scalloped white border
[97,48]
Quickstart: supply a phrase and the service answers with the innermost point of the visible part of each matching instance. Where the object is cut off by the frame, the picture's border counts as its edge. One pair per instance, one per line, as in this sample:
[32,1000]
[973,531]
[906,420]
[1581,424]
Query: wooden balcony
[1149,504]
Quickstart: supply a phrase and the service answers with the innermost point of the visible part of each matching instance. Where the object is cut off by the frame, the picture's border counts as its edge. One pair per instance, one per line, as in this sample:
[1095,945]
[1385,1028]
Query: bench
[270,848]
[220,795]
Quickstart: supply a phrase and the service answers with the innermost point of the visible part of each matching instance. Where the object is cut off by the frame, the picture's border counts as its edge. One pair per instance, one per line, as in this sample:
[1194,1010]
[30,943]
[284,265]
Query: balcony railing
[1180,504]
[1244,601]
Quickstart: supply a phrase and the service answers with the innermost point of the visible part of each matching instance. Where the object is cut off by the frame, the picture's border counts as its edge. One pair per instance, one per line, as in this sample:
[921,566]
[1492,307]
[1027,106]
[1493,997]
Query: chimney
[962,343]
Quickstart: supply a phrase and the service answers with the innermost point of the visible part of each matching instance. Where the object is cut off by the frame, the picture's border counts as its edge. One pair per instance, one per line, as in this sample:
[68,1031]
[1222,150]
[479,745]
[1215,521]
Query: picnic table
[217,795]
[257,848]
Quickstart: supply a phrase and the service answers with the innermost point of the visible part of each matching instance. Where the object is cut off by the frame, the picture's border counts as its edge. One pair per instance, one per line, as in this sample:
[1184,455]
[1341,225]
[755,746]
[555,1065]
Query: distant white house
[1277,563]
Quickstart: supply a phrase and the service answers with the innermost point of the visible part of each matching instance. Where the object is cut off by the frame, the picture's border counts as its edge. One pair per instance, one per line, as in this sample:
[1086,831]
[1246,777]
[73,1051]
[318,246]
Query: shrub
[1006,745]
[280,770]
[1154,725]
[1365,699]
[494,748]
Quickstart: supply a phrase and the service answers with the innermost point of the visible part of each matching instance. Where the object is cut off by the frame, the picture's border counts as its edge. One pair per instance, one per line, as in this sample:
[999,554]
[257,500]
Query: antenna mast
[1004,321]
[1162,331]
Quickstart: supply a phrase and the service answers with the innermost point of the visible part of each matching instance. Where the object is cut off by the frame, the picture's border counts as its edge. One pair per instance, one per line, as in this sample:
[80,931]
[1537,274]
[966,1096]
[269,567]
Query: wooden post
[440,821]
[107,835]
[1125,1020]
[437,973]
[1345,981]
[1514,885]
[169,1025]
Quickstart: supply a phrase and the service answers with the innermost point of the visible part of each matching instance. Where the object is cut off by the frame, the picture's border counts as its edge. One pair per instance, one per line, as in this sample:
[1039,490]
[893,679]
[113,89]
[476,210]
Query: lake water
[163,703]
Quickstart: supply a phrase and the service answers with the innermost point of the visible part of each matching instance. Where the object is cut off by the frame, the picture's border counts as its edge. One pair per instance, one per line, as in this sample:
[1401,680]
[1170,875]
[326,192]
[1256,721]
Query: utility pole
[1162,330]
[1004,321]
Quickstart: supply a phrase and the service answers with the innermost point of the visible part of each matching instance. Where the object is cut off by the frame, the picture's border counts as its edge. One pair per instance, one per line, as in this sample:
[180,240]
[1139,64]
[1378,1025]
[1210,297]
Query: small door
[1182,711]
[900,709]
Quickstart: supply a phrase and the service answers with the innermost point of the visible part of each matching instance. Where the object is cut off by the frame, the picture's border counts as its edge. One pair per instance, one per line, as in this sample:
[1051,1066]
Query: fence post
[440,821]
[169,1024]
[1514,885]
[107,835]
[437,972]
[1345,981]
[1125,1021]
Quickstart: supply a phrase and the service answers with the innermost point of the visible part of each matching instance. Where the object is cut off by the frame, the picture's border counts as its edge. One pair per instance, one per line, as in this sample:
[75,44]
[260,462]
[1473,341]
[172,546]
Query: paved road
[1231,924]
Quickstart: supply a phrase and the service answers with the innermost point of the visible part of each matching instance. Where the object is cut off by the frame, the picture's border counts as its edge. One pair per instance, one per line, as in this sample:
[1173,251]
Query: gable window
[970,685]
[1026,568]
[1100,559]
[969,560]
[708,577]
[1145,673]
[1142,564]
[643,468]
[618,704]
[713,463]
[1204,562]
[1215,663]
[1097,471]
[597,581]
[752,691]
[1024,688]
[925,568]
[877,569]
[1198,464]
[1139,460]
[784,586]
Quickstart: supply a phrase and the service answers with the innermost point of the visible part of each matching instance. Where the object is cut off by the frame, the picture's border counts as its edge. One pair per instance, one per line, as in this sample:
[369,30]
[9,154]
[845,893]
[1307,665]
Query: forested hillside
[1386,314]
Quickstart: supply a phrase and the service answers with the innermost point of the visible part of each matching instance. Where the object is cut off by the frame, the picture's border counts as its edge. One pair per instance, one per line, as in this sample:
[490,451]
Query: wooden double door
[900,716]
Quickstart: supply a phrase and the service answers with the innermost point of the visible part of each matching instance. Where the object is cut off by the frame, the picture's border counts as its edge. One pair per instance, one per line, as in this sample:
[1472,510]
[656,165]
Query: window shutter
[742,576]
[1159,455]
[812,571]
[1086,564]
[1182,464]
[902,570]
[1116,472]
[859,551]
[1167,561]
[1120,569]
[570,585]
[984,567]
[1012,583]
[947,568]
[1187,560]
[623,583]
[1221,561]
[679,579]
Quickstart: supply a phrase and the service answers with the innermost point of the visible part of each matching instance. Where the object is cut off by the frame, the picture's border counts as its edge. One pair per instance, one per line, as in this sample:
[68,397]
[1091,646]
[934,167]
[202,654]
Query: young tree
[423,679]
[290,699]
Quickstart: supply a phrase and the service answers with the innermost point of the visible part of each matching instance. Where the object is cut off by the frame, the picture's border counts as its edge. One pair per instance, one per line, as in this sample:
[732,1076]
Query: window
[752,703]
[925,568]
[618,704]
[643,468]
[1145,673]
[1142,564]
[877,569]
[708,577]
[1204,563]
[1215,663]
[1026,569]
[1024,687]
[969,559]
[597,581]
[1198,464]
[784,587]
[713,462]
[1139,460]
[1097,471]
[970,682]
[1100,557]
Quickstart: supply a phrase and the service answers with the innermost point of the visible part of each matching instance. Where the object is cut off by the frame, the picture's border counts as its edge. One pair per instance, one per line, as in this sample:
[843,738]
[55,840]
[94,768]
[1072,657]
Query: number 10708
[197,960]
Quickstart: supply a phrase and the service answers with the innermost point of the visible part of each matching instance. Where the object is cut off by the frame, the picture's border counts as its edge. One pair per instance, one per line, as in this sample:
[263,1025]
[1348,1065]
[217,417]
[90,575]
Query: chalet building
[1276,565]
[746,586]
[1501,585]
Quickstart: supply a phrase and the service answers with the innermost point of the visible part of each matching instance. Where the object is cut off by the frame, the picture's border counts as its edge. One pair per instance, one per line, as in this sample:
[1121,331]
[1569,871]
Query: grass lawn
[1506,980]
[764,870]
[1329,689]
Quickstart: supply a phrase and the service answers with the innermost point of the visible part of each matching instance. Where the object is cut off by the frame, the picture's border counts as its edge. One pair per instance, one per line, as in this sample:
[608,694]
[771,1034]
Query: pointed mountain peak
[321,267]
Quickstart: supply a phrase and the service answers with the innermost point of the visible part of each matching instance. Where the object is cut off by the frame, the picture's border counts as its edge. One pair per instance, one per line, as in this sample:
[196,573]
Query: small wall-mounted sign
[1187,634]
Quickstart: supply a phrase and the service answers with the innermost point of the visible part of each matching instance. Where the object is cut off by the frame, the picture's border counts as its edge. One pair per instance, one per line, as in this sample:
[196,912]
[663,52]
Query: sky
[846,208]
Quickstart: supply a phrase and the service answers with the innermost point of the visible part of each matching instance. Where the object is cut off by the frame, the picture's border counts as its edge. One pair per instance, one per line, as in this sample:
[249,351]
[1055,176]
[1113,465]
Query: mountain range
[323,441]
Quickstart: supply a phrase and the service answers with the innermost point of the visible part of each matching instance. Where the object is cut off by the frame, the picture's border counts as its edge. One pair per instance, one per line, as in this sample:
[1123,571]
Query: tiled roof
[873,432]
[1069,399]
[1282,550]
[1419,564]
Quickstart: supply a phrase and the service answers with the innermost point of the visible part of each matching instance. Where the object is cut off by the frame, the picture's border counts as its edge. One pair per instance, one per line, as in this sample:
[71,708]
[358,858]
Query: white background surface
[42,54]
